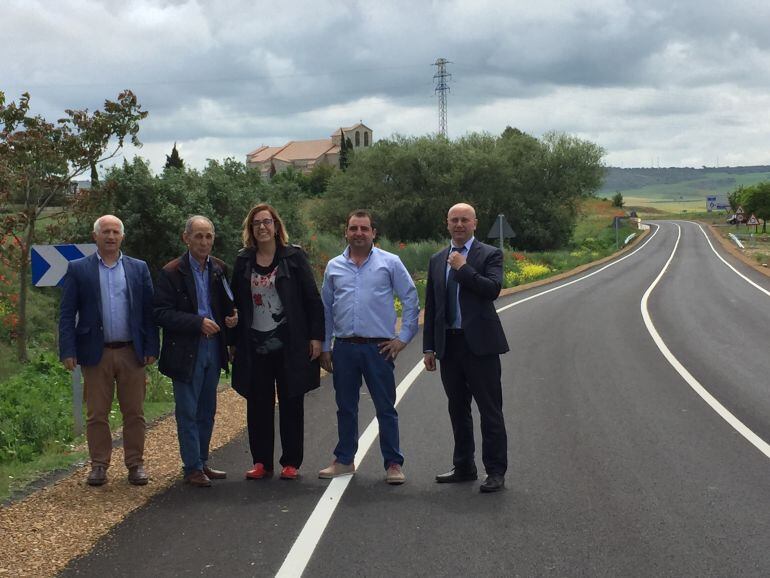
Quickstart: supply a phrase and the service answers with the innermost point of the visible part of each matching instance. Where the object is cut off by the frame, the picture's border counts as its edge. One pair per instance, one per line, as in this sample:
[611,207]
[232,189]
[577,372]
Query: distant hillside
[681,182]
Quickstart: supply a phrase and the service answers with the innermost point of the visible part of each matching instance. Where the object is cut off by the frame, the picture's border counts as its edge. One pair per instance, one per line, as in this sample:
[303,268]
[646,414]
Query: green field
[688,196]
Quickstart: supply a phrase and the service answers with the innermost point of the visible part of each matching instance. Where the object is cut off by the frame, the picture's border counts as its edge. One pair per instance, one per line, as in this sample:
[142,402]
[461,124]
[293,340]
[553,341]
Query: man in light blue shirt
[358,291]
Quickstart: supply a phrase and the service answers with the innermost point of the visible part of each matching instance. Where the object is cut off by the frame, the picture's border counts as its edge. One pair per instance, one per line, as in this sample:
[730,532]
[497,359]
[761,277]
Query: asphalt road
[618,465]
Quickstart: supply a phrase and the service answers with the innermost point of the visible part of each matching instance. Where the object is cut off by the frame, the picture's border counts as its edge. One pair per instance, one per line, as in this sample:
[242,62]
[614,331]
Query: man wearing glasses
[357,293]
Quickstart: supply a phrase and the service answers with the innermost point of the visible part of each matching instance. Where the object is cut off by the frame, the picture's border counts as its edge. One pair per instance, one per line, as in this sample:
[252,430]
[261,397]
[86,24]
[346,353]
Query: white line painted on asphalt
[298,557]
[723,412]
[303,548]
[741,275]
[579,279]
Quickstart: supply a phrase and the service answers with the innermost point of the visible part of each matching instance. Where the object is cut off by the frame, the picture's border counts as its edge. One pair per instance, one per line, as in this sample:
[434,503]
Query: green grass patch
[37,424]
[15,476]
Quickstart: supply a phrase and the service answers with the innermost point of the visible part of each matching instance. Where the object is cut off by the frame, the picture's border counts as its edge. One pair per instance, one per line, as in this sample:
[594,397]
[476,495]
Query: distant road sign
[49,262]
[752,220]
[715,203]
[501,226]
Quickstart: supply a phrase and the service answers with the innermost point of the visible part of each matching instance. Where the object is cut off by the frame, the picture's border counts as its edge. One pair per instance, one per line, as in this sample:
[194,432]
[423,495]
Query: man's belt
[117,344]
[356,339]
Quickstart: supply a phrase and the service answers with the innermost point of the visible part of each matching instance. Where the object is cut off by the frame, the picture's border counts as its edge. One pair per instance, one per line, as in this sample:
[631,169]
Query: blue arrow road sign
[49,262]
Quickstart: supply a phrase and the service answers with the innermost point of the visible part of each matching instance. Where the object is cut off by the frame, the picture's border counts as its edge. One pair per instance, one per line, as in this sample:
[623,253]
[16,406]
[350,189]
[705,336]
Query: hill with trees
[680,181]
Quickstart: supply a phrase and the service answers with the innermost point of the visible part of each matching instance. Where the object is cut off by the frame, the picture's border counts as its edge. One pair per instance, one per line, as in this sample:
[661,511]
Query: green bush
[35,409]
[159,387]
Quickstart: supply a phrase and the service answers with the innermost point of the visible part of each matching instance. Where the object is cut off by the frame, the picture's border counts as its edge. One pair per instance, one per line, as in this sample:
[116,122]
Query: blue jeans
[196,404]
[352,361]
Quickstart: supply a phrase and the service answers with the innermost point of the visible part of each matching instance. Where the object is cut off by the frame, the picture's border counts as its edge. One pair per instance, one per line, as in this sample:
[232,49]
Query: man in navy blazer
[106,327]
[462,330]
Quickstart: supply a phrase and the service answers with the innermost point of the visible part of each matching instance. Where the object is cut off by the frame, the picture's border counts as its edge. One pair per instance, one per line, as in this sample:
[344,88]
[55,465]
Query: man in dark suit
[463,331]
[106,326]
[193,305]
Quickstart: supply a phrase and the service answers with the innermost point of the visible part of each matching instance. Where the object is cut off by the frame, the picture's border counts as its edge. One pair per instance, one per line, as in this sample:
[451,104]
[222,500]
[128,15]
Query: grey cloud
[241,70]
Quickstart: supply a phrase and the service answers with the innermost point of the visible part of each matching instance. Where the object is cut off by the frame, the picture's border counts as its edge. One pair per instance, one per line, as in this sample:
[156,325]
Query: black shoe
[457,476]
[493,483]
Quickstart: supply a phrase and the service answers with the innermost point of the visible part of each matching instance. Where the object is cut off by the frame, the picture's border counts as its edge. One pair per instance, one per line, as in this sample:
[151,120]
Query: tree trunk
[21,335]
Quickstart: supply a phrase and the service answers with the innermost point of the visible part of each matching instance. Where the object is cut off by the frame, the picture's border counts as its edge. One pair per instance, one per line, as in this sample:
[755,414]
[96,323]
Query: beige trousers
[117,366]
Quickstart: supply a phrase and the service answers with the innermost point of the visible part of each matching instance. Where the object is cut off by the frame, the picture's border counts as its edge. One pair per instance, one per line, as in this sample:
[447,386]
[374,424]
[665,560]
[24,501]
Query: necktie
[451,293]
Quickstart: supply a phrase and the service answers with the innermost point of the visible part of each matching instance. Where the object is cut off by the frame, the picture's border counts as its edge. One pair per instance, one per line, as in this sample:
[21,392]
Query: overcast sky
[655,83]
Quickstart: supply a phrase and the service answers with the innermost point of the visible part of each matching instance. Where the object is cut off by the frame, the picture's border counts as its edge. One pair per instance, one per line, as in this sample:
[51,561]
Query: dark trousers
[467,376]
[269,375]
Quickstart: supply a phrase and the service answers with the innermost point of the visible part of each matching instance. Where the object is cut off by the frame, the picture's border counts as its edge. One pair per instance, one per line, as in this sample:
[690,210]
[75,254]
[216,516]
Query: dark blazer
[176,311]
[82,296]
[480,280]
[301,302]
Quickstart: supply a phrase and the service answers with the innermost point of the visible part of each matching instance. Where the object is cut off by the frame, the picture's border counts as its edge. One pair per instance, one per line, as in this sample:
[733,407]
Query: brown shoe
[137,476]
[198,479]
[337,469]
[214,474]
[98,476]
[395,475]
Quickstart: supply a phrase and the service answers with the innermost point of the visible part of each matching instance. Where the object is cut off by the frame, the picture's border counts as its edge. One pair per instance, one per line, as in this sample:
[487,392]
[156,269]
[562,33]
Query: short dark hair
[360,213]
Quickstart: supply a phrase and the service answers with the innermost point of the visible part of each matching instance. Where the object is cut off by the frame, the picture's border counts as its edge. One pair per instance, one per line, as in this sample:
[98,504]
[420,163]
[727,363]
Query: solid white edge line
[579,279]
[741,275]
[302,550]
[723,412]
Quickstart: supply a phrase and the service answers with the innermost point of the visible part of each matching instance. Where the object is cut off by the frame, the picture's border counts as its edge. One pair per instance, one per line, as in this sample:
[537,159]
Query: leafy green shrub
[35,409]
[159,387]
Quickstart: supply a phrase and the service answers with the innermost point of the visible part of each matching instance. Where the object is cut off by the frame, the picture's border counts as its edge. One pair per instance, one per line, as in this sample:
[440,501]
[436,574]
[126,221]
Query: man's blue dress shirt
[202,286]
[358,301]
[115,303]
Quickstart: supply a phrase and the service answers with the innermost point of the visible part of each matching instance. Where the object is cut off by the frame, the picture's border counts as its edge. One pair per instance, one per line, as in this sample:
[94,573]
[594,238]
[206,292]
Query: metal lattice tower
[442,88]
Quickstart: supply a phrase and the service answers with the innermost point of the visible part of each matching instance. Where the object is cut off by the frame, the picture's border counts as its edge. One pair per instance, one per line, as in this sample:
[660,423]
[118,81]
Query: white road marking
[721,410]
[305,544]
[298,557]
[579,279]
[741,275]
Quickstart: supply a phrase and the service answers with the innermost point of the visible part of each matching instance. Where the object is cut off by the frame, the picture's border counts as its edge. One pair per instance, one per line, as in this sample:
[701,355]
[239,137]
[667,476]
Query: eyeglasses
[265,222]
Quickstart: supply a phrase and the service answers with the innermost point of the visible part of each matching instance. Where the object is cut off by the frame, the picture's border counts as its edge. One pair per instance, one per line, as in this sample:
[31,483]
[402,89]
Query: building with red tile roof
[303,155]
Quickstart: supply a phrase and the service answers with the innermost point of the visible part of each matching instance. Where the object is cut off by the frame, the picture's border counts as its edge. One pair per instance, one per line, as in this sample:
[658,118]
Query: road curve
[617,466]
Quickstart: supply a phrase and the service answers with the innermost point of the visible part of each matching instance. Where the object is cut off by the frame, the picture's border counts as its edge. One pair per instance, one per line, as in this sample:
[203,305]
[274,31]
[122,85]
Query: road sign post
[49,265]
[501,230]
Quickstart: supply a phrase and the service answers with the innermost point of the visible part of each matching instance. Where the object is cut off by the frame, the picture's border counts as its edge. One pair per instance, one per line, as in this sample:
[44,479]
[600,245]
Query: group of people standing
[270,322]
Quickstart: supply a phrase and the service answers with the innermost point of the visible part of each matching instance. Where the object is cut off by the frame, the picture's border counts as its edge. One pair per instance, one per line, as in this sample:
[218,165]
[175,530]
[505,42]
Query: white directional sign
[49,262]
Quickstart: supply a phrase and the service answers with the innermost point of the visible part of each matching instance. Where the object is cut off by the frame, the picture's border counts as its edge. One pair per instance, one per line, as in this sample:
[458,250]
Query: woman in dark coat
[277,341]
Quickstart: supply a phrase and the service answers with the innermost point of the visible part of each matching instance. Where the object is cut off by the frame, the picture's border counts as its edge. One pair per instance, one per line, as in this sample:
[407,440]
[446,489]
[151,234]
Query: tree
[410,183]
[734,198]
[174,161]
[756,200]
[154,208]
[319,178]
[617,200]
[39,160]
[346,151]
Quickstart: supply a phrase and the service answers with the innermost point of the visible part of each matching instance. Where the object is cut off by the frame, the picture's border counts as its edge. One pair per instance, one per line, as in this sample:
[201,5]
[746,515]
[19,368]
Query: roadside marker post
[49,266]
